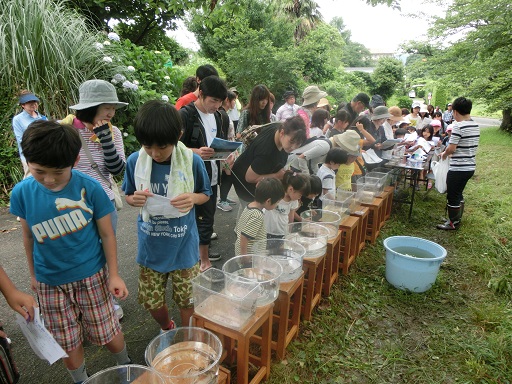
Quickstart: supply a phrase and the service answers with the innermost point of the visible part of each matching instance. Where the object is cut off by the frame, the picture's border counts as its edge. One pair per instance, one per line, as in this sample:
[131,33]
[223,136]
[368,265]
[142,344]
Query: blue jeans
[455,183]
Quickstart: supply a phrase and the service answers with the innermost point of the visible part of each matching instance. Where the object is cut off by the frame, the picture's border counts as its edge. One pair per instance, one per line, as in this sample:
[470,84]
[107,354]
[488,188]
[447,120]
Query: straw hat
[96,92]
[349,142]
[323,102]
[396,114]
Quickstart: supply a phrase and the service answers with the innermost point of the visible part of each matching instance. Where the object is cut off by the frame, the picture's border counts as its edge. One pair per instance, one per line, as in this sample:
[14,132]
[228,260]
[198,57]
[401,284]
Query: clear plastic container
[330,220]
[349,198]
[124,374]
[367,188]
[261,269]
[288,253]
[185,355]
[312,236]
[226,299]
[339,203]
[383,176]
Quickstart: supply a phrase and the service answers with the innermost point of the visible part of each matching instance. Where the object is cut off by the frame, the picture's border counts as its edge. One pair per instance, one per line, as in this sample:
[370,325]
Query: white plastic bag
[440,171]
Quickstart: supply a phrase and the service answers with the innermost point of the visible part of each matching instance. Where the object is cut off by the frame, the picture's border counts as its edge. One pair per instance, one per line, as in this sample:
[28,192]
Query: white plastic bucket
[412,263]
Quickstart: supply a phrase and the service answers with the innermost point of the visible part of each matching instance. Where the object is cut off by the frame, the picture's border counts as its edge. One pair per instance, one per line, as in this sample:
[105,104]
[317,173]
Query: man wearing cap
[201,72]
[448,114]
[29,103]
[359,103]
[289,108]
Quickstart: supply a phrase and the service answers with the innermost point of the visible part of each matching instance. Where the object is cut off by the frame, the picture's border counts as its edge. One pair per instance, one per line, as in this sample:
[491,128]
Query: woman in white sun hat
[96,108]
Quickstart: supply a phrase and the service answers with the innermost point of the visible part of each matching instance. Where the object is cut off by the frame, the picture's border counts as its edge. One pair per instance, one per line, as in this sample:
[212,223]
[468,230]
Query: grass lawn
[460,331]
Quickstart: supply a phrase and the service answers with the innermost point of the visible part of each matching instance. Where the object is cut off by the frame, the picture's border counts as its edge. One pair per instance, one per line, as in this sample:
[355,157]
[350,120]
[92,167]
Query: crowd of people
[287,164]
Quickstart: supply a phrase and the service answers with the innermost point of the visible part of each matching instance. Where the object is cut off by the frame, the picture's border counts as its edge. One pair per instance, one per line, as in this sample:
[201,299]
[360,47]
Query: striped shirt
[465,135]
[251,224]
[97,152]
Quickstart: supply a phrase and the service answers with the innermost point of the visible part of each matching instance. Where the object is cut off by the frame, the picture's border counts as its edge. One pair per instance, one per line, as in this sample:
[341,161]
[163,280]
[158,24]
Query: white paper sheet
[41,341]
[158,205]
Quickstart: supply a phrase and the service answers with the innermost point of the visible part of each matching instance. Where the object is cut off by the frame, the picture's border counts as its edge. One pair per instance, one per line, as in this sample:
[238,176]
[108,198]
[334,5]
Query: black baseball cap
[363,98]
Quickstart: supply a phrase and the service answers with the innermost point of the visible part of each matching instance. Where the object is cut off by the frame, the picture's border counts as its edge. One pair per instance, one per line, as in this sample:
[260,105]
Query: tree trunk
[506,123]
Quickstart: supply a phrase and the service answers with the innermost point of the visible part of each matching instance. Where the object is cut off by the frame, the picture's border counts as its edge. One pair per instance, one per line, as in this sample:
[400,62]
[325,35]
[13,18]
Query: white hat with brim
[97,92]
[349,142]
[423,109]
[312,95]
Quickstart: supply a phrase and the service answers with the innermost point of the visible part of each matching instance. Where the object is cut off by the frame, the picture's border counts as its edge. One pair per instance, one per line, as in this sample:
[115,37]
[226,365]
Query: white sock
[122,357]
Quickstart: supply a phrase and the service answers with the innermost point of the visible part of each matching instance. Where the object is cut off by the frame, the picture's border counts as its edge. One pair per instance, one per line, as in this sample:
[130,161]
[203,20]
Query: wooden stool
[262,319]
[373,227]
[389,206]
[313,278]
[349,244]
[332,259]
[362,213]
[224,376]
[287,314]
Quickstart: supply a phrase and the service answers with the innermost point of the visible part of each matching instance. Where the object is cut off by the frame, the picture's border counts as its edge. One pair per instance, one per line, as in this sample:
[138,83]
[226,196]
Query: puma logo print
[63,203]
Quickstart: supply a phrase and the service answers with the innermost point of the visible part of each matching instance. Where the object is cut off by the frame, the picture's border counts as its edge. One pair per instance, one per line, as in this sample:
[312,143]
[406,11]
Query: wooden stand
[332,259]
[224,376]
[313,278]
[373,227]
[362,213]
[262,319]
[349,247]
[389,203]
[287,315]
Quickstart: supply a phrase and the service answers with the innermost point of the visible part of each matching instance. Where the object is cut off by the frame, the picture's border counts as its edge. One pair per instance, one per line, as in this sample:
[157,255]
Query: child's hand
[117,287]
[184,202]
[22,303]
[139,198]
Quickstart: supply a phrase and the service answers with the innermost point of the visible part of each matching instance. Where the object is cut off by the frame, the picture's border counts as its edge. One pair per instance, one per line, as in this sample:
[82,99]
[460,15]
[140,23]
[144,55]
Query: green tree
[304,14]
[387,77]
[479,63]
[353,54]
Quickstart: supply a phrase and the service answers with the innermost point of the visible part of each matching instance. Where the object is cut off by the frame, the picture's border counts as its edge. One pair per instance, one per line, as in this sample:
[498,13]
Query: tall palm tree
[305,14]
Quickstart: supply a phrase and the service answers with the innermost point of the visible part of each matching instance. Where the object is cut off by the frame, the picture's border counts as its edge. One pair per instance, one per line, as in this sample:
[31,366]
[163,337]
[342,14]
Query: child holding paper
[168,240]
[70,245]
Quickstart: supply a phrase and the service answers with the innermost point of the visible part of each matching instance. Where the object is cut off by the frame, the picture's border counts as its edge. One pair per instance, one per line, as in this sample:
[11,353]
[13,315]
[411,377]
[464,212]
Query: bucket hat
[376,101]
[323,102]
[96,92]
[423,109]
[312,94]
[396,114]
[381,112]
[349,142]
[28,97]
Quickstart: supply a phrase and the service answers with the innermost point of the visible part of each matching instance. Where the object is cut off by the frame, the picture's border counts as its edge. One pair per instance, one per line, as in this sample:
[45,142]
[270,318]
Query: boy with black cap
[359,103]
[289,108]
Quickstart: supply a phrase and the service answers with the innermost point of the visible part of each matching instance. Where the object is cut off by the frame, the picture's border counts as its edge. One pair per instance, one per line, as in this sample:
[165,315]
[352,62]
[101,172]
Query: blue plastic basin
[412,263]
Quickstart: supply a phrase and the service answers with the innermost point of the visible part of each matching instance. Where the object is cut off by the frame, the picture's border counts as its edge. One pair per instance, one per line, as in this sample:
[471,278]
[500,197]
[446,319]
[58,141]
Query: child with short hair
[276,221]
[251,225]
[327,172]
[68,244]
[309,201]
[166,180]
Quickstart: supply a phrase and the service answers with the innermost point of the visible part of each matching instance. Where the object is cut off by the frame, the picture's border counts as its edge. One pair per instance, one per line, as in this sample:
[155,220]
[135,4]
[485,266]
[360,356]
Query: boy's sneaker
[224,206]
[118,310]
[214,256]
[230,202]
[172,325]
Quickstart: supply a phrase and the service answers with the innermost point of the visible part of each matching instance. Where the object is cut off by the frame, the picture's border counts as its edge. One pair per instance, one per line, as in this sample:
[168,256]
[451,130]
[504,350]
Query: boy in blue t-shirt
[68,238]
[165,179]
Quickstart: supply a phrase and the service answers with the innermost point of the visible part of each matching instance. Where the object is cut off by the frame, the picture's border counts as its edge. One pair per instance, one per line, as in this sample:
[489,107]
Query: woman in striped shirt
[462,151]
